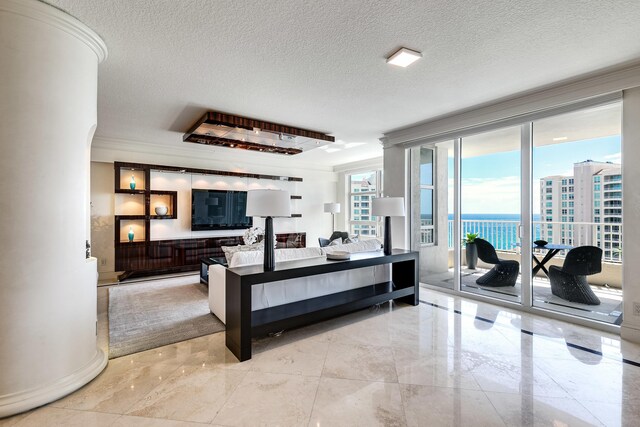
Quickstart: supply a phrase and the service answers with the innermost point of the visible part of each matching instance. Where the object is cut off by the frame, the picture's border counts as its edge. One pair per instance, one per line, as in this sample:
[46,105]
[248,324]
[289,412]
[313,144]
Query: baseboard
[107,278]
[22,401]
[630,333]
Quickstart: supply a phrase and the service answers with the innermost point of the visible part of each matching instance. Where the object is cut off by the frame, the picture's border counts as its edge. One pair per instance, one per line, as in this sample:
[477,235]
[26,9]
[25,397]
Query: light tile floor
[609,311]
[430,365]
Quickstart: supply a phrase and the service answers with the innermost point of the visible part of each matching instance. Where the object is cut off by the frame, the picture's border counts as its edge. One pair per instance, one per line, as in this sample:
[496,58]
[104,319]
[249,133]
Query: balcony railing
[503,235]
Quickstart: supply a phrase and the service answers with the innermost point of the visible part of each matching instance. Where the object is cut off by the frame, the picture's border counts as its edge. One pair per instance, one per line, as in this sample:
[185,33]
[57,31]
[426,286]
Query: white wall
[318,186]
[102,217]
[49,67]
[180,228]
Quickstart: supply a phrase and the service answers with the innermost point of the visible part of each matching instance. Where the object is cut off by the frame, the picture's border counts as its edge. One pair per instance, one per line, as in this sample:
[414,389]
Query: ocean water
[501,230]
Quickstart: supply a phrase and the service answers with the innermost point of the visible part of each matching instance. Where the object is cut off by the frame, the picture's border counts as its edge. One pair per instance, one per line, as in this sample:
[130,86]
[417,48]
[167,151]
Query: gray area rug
[152,314]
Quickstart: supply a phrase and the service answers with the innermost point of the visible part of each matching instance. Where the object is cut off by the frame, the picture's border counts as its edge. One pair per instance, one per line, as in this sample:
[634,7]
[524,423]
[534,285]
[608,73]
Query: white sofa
[287,291]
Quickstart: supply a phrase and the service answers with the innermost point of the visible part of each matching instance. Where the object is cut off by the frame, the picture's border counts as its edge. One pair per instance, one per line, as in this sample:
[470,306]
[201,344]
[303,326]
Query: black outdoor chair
[570,281]
[503,273]
[325,242]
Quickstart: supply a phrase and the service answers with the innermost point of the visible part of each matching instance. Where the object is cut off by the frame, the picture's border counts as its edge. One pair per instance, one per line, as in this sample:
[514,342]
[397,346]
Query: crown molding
[57,18]
[566,92]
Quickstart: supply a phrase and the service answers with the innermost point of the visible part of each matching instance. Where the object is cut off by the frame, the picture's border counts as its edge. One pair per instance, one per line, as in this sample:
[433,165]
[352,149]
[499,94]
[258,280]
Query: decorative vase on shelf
[162,210]
[132,184]
[131,234]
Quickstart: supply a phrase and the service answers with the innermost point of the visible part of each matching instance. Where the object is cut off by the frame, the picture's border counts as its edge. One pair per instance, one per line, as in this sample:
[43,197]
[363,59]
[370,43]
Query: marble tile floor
[609,311]
[449,361]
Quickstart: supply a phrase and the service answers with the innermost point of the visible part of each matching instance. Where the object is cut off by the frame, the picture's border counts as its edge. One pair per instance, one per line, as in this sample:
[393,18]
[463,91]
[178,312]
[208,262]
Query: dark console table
[242,323]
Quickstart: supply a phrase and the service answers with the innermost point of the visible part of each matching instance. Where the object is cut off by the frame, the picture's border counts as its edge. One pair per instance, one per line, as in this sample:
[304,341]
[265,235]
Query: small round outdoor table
[552,250]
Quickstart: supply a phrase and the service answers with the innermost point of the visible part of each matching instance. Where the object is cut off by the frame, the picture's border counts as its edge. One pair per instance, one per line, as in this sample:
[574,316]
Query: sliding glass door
[577,178]
[556,181]
[490,214]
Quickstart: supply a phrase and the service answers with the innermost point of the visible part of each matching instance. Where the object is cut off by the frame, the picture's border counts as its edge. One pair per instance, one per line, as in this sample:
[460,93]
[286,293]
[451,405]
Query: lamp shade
[388,206]
[266,203]
[332,208]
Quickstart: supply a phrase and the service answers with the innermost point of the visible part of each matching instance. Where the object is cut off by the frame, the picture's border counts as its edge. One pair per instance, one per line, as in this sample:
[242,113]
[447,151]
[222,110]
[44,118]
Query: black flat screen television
[219,210]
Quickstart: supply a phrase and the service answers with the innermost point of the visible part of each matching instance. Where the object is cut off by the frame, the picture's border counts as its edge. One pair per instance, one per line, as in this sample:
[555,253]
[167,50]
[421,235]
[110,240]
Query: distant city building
[585,208]
[364,187]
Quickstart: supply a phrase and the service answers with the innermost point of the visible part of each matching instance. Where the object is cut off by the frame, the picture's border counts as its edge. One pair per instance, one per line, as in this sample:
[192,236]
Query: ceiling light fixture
[221,129]
[404,57]
[561,138]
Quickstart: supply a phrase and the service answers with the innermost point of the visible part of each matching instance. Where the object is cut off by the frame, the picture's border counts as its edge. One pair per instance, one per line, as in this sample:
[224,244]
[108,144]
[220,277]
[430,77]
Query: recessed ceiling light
[404,57]
[560,138]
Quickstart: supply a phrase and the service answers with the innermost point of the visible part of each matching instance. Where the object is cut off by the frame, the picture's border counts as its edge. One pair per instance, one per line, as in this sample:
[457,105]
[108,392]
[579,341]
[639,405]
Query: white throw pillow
[230,250]
[353,238]
[336,242]
[240,259]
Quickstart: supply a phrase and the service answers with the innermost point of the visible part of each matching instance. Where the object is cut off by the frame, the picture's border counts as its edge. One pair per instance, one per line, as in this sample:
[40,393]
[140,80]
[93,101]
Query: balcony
[503,235]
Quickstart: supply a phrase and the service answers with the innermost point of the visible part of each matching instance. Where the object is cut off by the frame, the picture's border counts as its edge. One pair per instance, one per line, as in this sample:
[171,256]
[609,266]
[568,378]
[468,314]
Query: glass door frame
[526,206]
[526,214]
[524,229]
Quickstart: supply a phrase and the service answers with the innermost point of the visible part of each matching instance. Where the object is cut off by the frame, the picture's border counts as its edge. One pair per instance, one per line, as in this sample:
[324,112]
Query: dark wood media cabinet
[242,323]
[145,256]
[139,259]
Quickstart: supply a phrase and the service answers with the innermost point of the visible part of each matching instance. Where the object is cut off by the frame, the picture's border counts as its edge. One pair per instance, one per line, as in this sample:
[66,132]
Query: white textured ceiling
[321,64]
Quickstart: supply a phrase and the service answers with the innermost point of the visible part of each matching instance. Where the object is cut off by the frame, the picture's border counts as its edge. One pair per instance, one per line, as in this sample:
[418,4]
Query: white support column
[457,226]
[395,172]
[526,139]
[49,70]
[630,329]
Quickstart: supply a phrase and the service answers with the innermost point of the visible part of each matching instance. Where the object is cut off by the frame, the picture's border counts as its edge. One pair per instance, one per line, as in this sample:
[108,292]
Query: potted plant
[471,250]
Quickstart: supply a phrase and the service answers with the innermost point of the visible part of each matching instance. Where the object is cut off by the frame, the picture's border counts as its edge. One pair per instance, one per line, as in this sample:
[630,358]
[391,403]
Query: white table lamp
[387,207]
[332,208]
[268,204]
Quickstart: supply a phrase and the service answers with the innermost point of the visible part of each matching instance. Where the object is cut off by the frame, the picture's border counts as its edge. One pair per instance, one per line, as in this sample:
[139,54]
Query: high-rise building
[363,190]
[573,207]
[556,195]
[607,210]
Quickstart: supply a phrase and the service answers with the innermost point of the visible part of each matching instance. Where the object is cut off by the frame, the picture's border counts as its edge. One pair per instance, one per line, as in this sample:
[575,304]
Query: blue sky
[491,183]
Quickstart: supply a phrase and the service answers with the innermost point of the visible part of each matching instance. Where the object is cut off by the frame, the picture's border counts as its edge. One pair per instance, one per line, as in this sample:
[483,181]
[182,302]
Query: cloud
[615,157]
[491,195]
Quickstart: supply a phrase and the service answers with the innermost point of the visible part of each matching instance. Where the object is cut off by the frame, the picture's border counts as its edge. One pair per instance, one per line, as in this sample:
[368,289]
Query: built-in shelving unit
[136,209]
[160,198]
[144,203]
